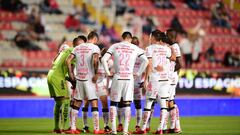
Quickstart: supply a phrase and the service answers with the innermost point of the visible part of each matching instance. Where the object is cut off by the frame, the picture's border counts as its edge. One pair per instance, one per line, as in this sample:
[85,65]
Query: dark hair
[161,36]
[82,37]
[135,41]
[171,34]
[92,35]
[75,40]
[126,35]
[156,34]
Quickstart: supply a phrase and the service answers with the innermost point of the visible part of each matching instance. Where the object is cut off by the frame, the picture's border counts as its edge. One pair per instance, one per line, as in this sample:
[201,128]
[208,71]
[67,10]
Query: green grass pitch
[190,126]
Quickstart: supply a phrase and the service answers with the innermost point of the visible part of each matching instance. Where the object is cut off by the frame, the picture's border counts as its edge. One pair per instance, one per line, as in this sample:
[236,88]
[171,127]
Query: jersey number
[82,63]
[124,59]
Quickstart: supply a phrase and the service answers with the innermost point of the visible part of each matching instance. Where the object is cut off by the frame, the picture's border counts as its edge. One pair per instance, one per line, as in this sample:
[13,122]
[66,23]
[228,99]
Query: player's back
[160,55]
[125,54]
[84,56]
[59,66]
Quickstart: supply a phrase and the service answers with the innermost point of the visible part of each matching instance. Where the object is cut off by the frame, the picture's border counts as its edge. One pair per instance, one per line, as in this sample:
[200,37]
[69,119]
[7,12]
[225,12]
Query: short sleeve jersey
[84,56]
[124,55]
[160,55]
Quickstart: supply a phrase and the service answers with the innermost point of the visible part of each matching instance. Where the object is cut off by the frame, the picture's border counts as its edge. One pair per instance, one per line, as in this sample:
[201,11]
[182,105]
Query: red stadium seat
[6,26]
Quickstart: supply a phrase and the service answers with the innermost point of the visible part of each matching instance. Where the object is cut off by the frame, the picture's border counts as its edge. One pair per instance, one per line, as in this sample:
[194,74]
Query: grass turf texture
[190,126]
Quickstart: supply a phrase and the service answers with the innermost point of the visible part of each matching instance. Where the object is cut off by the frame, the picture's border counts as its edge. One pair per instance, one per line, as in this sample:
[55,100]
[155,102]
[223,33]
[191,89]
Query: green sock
[57,107]
[65,114]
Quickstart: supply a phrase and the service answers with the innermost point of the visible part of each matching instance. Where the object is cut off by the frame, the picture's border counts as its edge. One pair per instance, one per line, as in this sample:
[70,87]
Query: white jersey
[63,47]
[84,55]
[173,74]
[160,55]
[124,54]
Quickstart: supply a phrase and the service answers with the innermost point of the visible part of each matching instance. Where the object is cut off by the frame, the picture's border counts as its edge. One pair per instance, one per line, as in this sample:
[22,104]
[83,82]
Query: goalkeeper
[58,88]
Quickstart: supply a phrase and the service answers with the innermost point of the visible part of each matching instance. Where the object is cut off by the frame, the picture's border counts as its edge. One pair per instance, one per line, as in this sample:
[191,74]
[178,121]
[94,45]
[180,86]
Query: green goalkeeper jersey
[59,67]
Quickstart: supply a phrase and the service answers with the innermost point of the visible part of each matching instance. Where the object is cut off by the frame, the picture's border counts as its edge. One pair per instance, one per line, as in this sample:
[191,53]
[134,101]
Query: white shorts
[157,89]
[122,88]
[101,89]
[85,90]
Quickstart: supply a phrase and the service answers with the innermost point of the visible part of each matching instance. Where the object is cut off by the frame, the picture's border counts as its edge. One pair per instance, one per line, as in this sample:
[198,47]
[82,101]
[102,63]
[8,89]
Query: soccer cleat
[178,131]
[98,132]
[120,128]
[166,131]
[86,129]
[72,131]
[107,130]
[57,131]
[171,131]
[159,132]
[148,129]
[140,132]
[137,128]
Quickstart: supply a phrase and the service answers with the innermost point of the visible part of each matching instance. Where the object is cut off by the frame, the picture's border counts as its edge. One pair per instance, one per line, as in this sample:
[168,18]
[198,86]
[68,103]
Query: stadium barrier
[190,82]
[43,108]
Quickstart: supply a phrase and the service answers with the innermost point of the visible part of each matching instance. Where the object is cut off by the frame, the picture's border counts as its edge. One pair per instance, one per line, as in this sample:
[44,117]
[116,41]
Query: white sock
[105,117]
[127,117]
[139,116]
[172,118]
[73,118]
[95,115]
[177,118]
[166,121]
[150,118]
[162,119]
[113,113]
[146,116]
[120,115]
[85,118]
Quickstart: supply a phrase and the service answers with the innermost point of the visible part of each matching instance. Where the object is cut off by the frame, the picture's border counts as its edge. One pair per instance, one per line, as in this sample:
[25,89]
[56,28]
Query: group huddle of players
[82,72]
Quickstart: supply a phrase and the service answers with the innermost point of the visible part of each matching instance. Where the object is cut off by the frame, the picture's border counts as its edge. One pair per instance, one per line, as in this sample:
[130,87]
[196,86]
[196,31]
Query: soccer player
[138,83]
[87,56]
[124,54]
[58,89]
[102,92]
[173,76]
[81,39]
[137,95]
[159,56]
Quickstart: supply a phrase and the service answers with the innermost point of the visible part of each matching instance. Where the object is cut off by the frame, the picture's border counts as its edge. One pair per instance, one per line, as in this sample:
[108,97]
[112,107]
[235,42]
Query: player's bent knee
[112,103]
[171,104]
[75,104]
